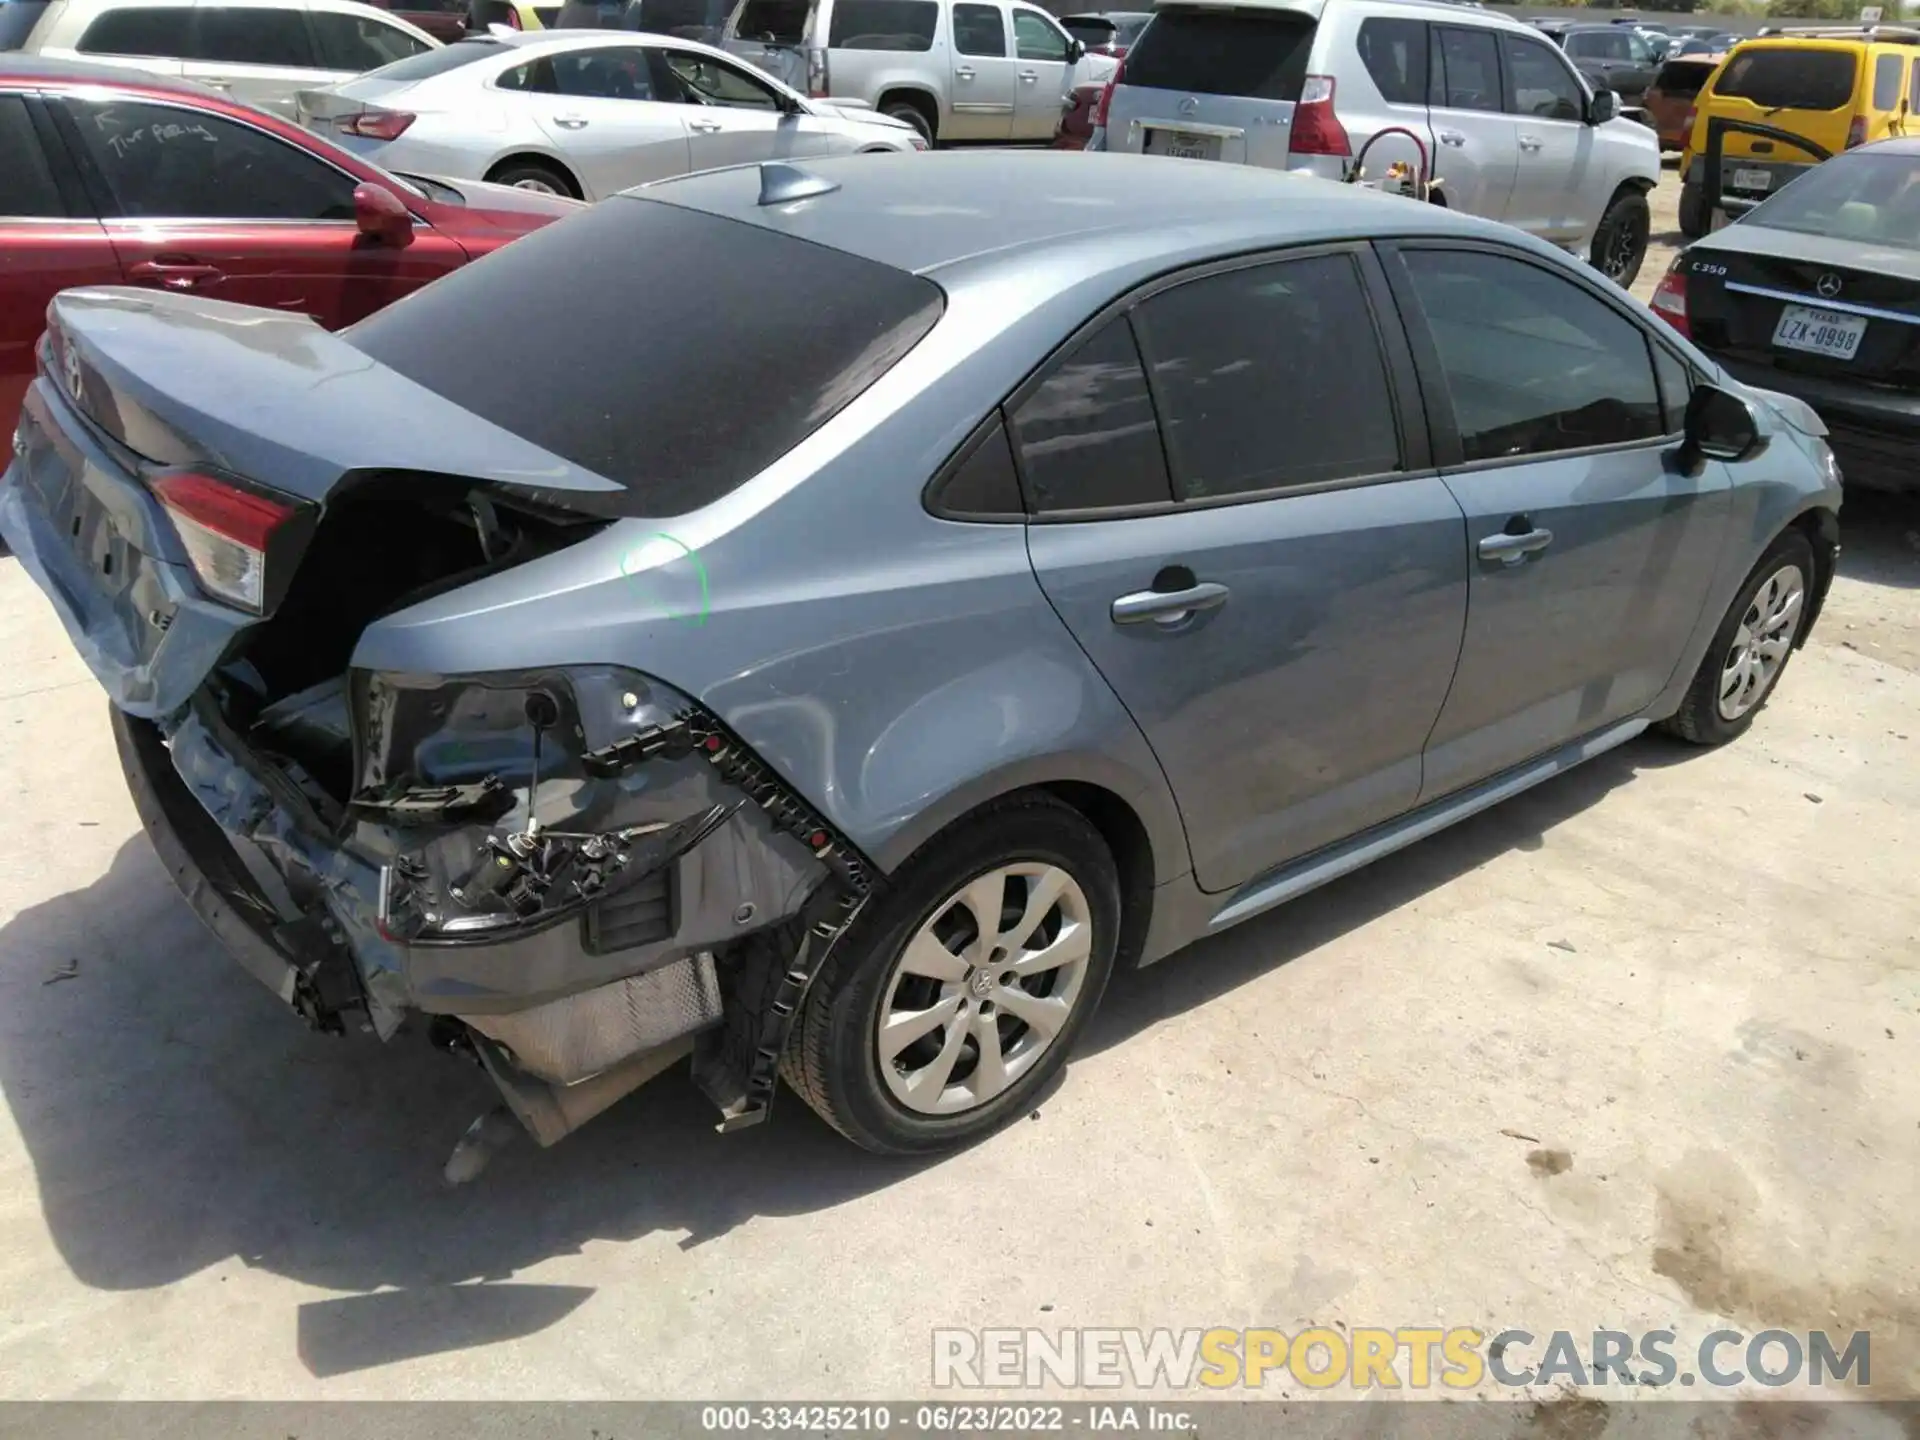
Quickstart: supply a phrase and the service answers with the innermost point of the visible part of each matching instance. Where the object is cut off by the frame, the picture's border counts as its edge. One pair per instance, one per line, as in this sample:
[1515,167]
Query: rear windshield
[1261,55]
[1093,29]
[1866,198]
[438,62]
[1790,79]
[673,352]
[1684,77]
[17,18]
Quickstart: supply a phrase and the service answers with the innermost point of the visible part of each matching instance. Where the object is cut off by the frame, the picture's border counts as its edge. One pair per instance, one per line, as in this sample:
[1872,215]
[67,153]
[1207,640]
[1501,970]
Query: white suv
[258,51]
[1510,130]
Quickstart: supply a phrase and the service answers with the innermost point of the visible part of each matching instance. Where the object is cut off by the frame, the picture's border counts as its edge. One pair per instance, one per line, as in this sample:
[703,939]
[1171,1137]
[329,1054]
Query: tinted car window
[979,30]
[985,484]
[248,35]
[1395,54]
[17,19]
[1087,437]
[614,74]
[1260,55]
[1089,30]
[1866,197]
[1247,368]
[784,22]
[155,30]
[1034,38]
[1533,364]
[26,185]
[883,25]
[1538,83]
[1886,81]
[704,350]
[1790,79]
[1683,78]
[1469,70]
[162,162]
[433,62]
[360,42]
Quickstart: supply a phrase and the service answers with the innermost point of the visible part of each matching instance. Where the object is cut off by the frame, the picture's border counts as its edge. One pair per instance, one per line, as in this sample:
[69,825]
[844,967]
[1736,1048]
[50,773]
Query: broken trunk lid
[278,400]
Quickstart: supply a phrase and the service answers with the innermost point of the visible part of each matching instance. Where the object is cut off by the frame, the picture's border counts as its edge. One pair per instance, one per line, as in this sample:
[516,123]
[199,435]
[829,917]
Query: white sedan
[584,112]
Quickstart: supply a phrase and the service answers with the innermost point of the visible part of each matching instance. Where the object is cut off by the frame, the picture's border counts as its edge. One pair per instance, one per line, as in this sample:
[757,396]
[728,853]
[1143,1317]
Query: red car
[112,177]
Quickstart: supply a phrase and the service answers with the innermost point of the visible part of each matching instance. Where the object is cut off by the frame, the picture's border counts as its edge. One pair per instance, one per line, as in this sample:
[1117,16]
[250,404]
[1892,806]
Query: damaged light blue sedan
[823,621]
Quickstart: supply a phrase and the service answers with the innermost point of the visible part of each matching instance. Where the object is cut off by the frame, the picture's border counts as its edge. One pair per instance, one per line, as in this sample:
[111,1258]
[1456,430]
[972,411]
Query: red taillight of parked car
[226,532]
[1316,129]
[1106,95]
[1670,299]
[375,124]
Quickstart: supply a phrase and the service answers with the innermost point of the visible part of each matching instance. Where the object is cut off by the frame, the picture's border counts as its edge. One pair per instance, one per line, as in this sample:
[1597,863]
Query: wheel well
[1132,851]
[1822,529]
[919,100]
[1638,184]
[539,162]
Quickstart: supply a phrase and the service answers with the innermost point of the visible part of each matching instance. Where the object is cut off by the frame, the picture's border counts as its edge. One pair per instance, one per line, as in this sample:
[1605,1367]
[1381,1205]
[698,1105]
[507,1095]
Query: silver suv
[1508,127]
[953,69]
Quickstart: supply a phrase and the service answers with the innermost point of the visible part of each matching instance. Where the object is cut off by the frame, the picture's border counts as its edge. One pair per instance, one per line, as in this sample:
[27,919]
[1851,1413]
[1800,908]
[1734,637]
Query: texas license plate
[1819,332]
[1752,179]
[1185,146]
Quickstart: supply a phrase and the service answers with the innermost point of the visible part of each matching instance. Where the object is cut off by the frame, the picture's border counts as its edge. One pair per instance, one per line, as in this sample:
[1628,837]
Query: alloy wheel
[538,186]
[984,988]
[1624,248]
[1761,642]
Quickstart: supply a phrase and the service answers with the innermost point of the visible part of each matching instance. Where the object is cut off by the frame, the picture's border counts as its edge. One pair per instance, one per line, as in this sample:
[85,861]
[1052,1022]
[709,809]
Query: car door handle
[1529,142]
[174,274]
[1451,137]
[570,122]
[963,74]
[1029,76]
[703,127]
[1511,549]
[1167,605]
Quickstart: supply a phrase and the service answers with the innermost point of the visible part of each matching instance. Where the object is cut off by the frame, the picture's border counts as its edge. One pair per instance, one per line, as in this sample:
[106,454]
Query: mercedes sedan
[895,594]
[585,113]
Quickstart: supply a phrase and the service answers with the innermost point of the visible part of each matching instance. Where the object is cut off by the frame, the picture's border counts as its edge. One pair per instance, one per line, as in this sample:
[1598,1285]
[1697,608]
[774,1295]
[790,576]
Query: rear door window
[1790,79]
[1087,436]
[1247,367]
[1469,70]
[1888,71]
[1395,54]
[165,162]
[27,189]
[156,30]
[703,351]
[1258,54]
[252,35]
[883,25]
[615,73]
[361,42]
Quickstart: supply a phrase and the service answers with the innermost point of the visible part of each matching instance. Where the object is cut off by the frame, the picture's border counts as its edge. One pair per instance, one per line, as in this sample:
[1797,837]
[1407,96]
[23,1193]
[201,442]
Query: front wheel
[1751,648]
[1620,241]
[962,987]
[912,114]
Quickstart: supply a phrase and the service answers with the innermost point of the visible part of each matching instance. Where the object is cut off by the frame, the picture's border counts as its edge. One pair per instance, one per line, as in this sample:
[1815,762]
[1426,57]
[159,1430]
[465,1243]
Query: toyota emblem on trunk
[1829,285]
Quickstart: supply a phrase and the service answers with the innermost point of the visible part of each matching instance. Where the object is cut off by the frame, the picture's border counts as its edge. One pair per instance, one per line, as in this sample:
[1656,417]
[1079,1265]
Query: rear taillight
[225,531]
[1670,298]
[817,76]
[1106,93]
[1857,132]
[375,124]
[1316,129]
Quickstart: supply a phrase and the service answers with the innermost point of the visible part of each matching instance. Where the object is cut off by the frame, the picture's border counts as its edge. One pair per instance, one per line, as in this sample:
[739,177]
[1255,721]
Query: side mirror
[1605,106]
[1075,49]
[381,217]
[1720,425]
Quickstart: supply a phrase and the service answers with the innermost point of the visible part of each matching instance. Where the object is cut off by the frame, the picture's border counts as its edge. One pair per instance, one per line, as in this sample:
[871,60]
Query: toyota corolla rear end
[369,719]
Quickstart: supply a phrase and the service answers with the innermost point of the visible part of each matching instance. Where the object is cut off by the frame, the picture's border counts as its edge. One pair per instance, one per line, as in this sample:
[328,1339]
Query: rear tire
[1620,240]
[868,1051]
[913,114]
[1694,220]
[1750,650]
[536,175]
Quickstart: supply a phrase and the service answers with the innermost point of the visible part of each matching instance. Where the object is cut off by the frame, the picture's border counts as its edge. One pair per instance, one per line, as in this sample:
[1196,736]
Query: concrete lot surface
[1637,1050]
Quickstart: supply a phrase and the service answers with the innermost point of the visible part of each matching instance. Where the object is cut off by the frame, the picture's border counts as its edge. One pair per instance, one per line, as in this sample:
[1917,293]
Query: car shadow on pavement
[180,1121]
[1880,538]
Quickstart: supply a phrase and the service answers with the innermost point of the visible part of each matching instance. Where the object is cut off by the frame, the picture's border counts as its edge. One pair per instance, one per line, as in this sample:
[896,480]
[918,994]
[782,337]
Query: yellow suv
[1838,87]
